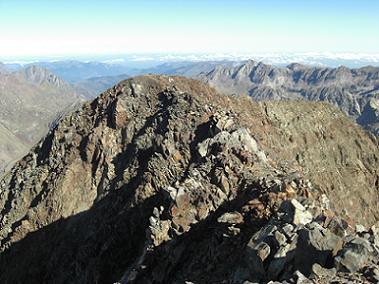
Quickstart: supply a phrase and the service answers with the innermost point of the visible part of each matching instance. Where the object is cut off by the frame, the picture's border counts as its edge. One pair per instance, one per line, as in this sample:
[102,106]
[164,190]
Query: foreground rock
[161,180]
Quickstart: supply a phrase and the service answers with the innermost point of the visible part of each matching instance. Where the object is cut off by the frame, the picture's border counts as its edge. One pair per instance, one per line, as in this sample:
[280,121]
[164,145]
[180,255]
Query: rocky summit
[162,180]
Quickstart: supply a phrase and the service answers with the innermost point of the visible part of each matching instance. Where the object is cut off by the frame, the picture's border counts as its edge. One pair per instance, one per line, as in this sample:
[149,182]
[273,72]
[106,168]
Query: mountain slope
[30,100]
[162,180]
[348,89]
[11,147]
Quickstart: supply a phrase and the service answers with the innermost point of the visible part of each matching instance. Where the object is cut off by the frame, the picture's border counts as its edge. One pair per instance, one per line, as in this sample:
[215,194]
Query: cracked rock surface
[162,180]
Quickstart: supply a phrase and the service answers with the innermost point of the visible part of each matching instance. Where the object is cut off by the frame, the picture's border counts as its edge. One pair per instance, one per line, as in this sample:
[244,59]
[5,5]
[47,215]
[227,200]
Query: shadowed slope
[124,182]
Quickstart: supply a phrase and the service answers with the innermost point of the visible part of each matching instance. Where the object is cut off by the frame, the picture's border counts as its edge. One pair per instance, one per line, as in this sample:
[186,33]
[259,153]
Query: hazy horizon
[148,60]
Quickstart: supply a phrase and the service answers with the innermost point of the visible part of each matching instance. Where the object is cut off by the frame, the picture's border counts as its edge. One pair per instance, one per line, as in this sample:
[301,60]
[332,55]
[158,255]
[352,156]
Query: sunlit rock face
[162,180]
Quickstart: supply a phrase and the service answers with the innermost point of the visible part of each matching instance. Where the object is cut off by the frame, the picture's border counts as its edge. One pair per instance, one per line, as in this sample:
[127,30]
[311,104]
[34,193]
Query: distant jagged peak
[257,72]
[343,68]
[251,62]
[251,65]
[240,71]
[40,75]
[218,70]
[248,63]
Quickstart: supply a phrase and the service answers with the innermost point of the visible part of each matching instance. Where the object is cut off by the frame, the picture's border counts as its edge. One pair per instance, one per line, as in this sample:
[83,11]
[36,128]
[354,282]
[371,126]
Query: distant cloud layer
[135,60]
[313,58]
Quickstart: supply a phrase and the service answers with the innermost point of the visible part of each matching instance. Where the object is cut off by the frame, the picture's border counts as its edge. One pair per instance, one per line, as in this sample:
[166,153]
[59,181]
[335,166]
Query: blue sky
[112,27]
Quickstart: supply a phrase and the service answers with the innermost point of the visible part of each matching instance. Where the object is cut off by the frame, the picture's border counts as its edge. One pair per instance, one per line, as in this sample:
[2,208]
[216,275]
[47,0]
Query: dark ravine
[162,180]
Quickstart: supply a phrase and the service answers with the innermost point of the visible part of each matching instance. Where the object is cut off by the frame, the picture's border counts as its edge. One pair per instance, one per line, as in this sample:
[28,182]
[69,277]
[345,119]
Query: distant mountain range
[73,71]
[33,97]
[354,91]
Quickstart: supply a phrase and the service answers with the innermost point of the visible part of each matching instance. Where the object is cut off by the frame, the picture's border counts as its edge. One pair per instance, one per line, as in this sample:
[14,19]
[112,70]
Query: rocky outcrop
[321,250]
[162,180]
[351,90]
